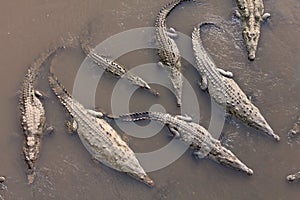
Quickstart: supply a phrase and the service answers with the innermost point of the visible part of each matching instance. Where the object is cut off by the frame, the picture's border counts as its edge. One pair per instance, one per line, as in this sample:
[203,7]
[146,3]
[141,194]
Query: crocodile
[251,13]
[296,128]
[33,117]
[2,179]
[167,49]
[293,177]
[98,137]
[224,90]
[193,135]
[113,67]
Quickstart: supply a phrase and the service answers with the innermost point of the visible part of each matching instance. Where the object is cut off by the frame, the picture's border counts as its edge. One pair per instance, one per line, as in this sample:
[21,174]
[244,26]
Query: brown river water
[65,168]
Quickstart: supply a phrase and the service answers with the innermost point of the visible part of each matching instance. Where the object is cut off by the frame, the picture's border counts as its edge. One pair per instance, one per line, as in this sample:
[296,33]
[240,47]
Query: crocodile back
[98,137]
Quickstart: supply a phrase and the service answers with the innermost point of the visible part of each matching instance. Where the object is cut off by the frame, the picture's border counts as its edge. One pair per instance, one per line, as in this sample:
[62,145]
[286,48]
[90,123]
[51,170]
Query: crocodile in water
[99,138]
[33,115]
[293,177]
[296,128]
[251,13]
[113,67]
[167,49]
[194,135]
[224,90]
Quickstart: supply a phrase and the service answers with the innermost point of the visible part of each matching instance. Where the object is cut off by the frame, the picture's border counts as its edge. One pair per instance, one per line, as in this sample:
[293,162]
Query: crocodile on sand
[167,49]
[251,13]
[98,137]
[113,67]
[193,135]
[33,117]
[224,90]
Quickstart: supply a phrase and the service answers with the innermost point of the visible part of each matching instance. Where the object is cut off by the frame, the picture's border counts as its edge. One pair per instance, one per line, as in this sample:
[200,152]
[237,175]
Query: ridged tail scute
[132,117]
[58,88]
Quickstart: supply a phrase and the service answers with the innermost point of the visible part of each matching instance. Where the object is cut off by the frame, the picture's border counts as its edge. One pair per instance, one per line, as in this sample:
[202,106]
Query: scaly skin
[293,177]
[194,135]
[167,49]
[225,91]
[296,128]
[33,115]
[251,14]
[114,68]
[99,138]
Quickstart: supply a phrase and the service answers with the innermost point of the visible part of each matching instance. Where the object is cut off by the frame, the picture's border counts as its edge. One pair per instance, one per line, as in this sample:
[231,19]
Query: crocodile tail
[132,117]
[165,11]
[58,88]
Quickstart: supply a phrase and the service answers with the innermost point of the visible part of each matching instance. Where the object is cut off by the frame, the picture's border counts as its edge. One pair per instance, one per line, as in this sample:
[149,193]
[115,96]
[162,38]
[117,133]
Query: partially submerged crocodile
[194,135]
[167,49]
[99,138]
[293,177]
[224,90]
[113,67]
[296,128]
[251,13]
[33,115]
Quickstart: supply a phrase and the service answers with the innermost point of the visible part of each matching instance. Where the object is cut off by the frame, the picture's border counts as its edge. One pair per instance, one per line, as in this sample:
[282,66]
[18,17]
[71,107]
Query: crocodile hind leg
[171,32]
[175,133]
[49,130]
[96,114]
[184,118]
[227,74]
[72,126]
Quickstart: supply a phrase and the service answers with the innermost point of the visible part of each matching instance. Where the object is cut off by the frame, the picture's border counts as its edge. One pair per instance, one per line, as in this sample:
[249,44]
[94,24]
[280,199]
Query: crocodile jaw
[225,157]
[261,124]
[144,178]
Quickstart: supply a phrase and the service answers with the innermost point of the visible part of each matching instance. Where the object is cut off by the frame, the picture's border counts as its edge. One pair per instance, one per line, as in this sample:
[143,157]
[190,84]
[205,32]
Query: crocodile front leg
[266,16]
[237,14]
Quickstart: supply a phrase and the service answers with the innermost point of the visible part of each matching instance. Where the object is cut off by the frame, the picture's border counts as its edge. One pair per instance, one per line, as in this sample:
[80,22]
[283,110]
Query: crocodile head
[225,157]
[144,178]
[251,37]
[259,122]
[293,177]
